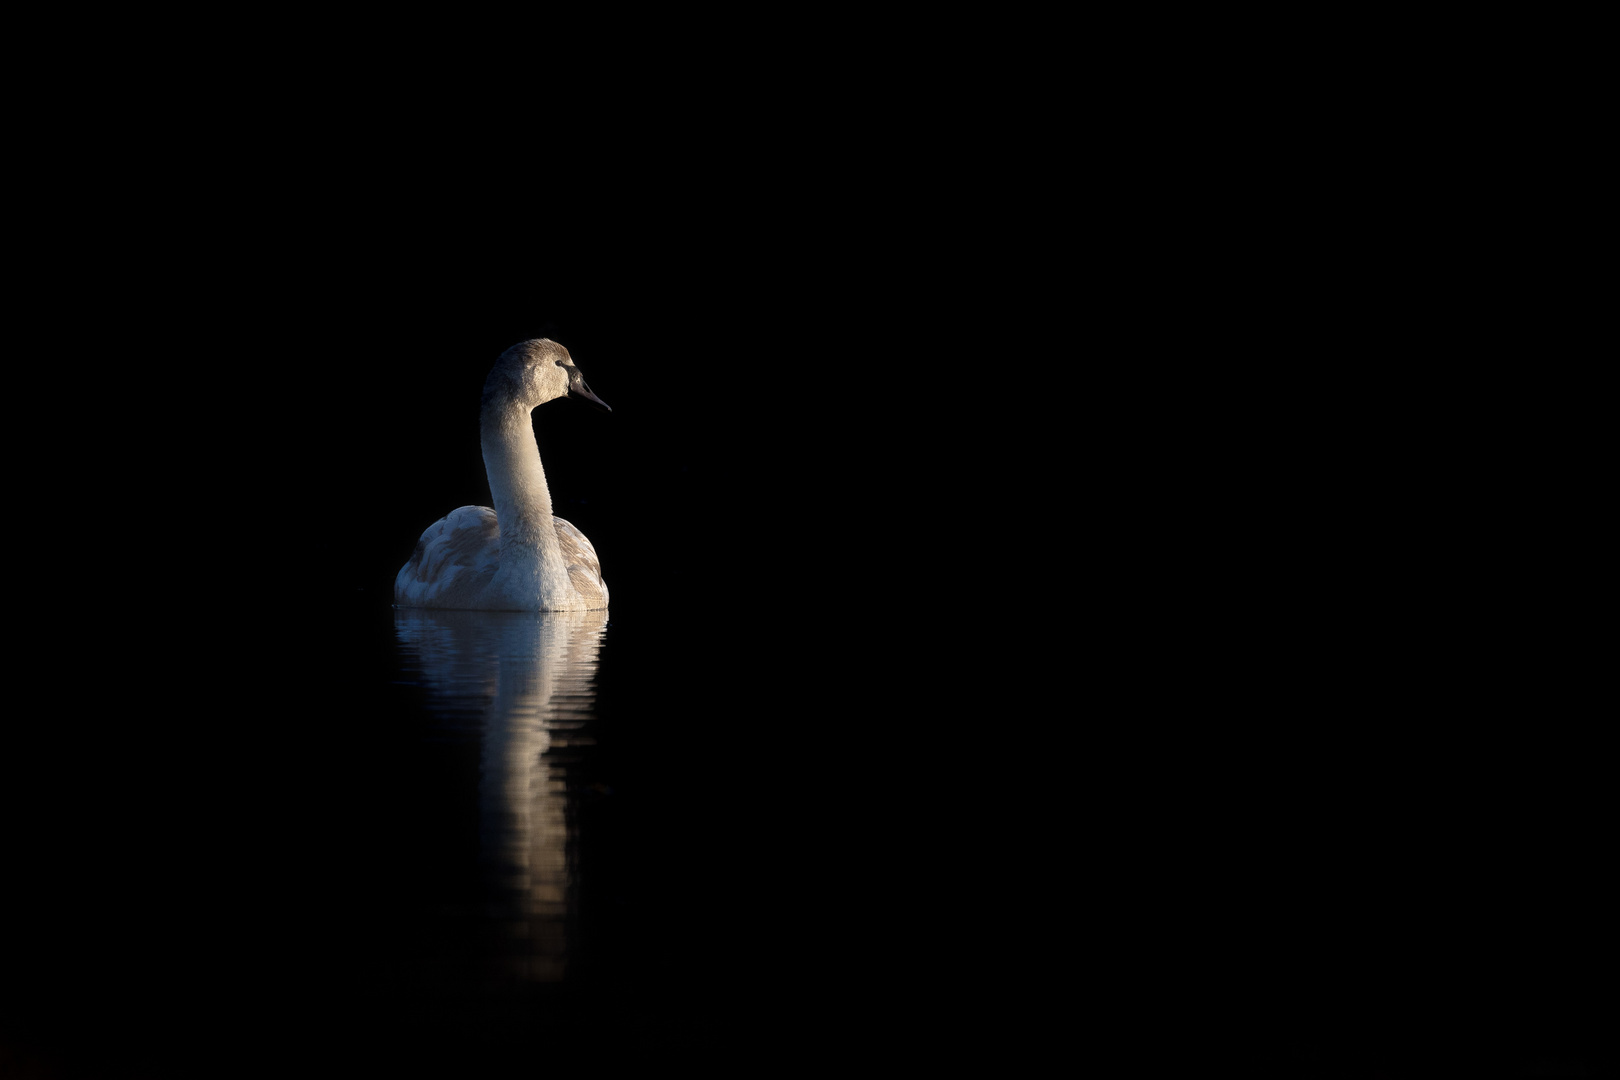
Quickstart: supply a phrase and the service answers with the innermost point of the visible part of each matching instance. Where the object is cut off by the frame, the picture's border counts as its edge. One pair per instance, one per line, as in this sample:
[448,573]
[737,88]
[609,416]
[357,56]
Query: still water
[386,842]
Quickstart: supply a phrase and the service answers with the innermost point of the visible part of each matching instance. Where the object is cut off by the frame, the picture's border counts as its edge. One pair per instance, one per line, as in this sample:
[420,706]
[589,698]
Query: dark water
[490,845]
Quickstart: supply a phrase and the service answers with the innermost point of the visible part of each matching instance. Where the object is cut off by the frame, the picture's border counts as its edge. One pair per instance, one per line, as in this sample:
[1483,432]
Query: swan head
[536,371]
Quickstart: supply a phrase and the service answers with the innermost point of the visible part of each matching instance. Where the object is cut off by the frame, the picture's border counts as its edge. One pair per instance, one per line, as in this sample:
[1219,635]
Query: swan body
[518,556]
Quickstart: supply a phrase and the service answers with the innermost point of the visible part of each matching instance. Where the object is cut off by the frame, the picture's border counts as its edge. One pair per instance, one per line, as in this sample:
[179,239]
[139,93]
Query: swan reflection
[530,675]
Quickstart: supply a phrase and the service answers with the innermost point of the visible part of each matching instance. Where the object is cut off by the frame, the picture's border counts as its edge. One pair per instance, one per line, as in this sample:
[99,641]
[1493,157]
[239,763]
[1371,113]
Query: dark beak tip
[577,388]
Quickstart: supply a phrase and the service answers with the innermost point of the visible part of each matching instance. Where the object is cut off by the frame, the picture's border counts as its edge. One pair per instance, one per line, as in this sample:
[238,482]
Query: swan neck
[516,479]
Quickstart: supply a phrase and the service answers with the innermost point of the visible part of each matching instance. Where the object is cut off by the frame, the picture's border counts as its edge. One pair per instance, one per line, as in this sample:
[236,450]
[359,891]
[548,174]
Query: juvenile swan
[518,556]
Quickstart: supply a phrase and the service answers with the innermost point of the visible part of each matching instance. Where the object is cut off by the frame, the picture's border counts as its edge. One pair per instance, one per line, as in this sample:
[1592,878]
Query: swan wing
[584,568]
[454,561]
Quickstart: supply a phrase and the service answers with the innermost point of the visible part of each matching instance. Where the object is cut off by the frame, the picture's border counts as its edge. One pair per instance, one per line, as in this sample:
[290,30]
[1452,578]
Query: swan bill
[578,389]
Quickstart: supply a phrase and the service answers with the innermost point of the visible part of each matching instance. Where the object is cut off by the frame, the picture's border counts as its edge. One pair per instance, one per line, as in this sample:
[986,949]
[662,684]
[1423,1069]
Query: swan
[518,556]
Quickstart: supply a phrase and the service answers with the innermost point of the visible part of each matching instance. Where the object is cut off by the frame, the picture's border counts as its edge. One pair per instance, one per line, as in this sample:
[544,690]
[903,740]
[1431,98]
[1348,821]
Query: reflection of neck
[522,500]
[523,792]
